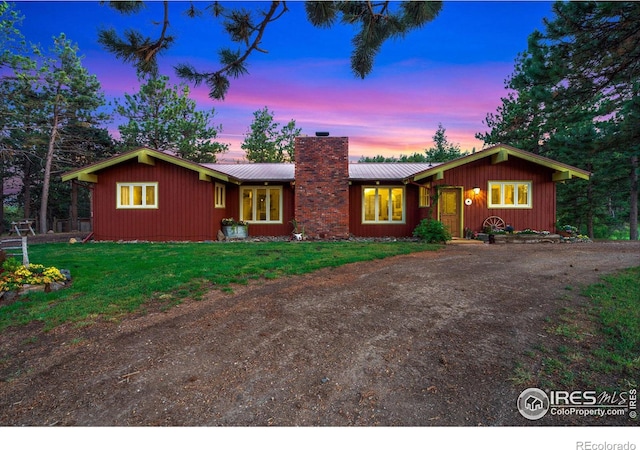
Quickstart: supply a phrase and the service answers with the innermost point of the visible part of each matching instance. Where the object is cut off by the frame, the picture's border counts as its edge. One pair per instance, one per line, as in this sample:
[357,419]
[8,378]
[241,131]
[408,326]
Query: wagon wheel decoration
[494,223]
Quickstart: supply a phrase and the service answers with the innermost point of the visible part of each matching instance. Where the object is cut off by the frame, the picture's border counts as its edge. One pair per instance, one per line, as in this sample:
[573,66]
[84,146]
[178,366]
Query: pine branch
[234,62]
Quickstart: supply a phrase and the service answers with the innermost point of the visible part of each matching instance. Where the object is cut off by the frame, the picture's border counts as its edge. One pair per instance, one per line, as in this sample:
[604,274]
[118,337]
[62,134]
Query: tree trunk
[47,175]
[26,190]
[633,203]
[73,226]
[590,210]
[2,230]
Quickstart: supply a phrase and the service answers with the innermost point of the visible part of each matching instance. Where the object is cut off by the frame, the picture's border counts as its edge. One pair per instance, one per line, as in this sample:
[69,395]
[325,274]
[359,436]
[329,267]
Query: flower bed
[16,279]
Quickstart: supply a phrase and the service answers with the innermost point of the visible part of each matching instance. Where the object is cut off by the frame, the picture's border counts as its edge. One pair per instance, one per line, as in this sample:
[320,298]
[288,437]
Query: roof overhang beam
[501,156]
[145,158]
[562,175]
[88,177]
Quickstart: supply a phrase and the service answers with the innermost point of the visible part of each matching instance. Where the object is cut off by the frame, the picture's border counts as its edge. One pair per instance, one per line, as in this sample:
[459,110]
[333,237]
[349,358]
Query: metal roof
[286,171]
[386,171]
[256,171]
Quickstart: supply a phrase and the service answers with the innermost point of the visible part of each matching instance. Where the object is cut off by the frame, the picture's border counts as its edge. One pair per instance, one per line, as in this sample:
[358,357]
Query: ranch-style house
[151,195]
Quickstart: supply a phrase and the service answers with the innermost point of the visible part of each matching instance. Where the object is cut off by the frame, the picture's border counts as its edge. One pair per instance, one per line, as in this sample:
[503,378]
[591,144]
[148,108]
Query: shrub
[432,231]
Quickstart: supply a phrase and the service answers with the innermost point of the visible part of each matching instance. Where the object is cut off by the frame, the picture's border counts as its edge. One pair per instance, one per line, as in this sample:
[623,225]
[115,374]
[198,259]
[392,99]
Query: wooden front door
[450,209]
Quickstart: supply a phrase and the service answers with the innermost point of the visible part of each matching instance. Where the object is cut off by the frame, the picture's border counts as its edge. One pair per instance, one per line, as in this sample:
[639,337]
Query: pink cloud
[395,111]
[390,114]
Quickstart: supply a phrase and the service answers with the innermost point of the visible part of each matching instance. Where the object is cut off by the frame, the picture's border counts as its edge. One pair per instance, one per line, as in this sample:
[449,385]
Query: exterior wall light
[476,190]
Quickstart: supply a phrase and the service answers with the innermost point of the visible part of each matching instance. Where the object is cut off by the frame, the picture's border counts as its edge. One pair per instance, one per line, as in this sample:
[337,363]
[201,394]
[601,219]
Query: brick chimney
[322,186]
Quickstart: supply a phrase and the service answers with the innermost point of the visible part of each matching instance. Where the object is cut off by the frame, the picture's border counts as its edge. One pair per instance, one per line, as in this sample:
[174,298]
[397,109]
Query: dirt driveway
[425,339]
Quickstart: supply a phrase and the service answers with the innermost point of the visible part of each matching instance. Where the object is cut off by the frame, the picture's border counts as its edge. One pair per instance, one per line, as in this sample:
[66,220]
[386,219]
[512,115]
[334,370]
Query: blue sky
[452,71]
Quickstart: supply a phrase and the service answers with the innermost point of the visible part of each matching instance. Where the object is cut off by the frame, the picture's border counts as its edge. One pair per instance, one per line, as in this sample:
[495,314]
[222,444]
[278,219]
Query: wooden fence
[16,247]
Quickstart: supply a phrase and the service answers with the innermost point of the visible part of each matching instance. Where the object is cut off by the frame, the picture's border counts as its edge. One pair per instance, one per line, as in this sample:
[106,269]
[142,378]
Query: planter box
[235,231]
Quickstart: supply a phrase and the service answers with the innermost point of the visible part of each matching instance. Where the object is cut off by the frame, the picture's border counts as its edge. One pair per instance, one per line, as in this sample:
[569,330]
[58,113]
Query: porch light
[476,190]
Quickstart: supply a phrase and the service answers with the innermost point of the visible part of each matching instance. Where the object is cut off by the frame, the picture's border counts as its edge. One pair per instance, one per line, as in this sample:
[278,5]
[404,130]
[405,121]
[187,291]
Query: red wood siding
[283,229]
[185,205]
[413,214]
[541,216]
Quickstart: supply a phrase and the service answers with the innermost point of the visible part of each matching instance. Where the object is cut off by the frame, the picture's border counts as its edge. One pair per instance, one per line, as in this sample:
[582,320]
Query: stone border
[529,238]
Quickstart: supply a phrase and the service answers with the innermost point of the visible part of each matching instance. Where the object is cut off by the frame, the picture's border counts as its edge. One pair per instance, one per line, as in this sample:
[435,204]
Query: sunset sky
[452,71]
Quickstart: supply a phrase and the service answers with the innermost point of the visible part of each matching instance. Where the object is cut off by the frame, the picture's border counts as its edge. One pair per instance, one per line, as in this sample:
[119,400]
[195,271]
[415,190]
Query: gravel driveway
[425,339]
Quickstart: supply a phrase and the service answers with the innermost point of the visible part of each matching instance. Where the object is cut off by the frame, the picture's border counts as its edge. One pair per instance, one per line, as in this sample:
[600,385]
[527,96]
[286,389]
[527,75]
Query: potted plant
[235,229]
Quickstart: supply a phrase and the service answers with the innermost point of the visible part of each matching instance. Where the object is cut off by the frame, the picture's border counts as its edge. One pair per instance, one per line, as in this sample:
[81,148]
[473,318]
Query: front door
[450,209]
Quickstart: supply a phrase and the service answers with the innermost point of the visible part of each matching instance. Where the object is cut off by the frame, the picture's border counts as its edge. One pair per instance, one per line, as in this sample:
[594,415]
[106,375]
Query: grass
[596,347]
[111,280]
[617,303]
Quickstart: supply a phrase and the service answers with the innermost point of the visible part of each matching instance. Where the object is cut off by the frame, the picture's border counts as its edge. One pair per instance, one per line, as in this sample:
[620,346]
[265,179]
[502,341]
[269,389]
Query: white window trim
[502,183]
[377,206]
[119,204]
[220,201]
[255,210]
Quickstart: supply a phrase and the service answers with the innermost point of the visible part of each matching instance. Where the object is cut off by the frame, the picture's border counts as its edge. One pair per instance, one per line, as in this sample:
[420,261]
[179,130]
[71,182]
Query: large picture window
[137,195]
[383,204]
[509,194]
[261,204]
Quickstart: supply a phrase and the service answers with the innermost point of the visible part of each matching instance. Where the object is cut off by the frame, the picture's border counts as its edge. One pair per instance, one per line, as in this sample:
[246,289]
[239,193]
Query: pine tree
[70,95]
[266,143]
[164,118]
[49,117]
[443,150]
[575,96]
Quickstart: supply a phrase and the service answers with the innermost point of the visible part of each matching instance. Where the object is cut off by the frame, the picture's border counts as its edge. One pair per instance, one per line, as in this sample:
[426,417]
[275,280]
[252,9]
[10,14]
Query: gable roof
[285,172]
[144,156]
[246,172]
[500,153]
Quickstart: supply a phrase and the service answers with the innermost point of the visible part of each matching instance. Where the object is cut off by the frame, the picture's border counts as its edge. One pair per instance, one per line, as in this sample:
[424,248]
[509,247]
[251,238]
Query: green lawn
[596,346]
[110,279]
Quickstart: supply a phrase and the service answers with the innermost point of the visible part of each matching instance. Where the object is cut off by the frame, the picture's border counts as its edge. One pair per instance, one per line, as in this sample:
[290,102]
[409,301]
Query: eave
[148,157]
[501,153]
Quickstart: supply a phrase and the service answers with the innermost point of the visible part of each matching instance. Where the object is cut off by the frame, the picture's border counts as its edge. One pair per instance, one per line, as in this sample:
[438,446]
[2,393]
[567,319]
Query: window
[383,205]
[137,195]
[261,204]
[219,201]
[424,200]
[510,194]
